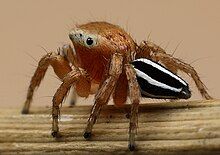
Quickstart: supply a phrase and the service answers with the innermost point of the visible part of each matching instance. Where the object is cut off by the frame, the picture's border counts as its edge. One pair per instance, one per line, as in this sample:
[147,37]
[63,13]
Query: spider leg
[134,94]
[104,92]
[68,52]
[120,92]
[61,68]
[157,54]
[71,78]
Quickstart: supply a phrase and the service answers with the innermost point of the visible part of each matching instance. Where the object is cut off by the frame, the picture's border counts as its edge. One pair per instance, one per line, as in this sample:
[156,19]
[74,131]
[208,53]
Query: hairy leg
[134,94]
[104,92]
[156,53]
[71,78]
[61,68]
[120,92]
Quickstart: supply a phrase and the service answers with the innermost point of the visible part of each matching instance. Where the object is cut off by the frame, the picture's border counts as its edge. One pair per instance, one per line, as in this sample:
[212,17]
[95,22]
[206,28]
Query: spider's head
[84,39]
[101,37]
[88,41]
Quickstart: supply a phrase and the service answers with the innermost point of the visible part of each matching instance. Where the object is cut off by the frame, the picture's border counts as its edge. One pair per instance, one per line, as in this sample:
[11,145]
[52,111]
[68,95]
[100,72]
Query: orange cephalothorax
[95,43]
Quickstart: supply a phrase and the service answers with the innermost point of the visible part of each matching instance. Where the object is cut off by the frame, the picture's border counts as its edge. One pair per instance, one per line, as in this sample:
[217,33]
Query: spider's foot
[87,135]
[131,147]
[128,115]
[56,134]
[26,107]
[207,96]
[25,111]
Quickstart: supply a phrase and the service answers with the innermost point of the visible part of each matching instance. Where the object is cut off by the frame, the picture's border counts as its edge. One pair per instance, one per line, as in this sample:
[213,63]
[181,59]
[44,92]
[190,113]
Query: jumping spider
[101,63]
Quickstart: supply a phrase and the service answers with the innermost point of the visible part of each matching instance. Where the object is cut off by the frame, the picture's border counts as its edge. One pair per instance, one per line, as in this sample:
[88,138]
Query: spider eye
[89,41]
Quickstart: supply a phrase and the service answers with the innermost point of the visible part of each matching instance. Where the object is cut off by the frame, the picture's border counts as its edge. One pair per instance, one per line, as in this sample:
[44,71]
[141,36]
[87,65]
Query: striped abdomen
[156,81]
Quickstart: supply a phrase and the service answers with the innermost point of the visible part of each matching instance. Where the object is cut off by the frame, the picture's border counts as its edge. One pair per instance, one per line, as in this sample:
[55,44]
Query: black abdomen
[156,81]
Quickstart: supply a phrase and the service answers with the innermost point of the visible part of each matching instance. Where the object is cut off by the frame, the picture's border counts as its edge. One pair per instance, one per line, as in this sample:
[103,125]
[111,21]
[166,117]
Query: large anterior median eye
[156,81]
[90,41]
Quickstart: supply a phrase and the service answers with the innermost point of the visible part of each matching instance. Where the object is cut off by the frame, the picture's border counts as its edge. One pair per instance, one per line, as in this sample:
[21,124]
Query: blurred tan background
[27,25]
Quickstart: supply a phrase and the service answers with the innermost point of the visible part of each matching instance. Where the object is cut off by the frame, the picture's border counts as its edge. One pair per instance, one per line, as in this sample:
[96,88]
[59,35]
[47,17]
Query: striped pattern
[156,81]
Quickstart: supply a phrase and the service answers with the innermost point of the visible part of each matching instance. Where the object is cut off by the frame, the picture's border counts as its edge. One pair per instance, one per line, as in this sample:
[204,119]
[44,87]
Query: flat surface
[171,127]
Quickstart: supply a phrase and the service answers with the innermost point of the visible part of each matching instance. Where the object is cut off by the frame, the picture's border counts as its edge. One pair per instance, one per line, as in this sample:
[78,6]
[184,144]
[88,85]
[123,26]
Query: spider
[101,63]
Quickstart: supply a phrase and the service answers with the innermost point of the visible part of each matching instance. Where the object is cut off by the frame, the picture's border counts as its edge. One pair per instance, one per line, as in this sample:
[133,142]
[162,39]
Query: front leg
[104,92]
[61,68]
[134,94]
[61,92]
[158,54]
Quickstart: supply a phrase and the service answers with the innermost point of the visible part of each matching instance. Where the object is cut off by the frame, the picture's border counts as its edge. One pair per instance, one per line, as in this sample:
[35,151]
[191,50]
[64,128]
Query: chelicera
[105,60]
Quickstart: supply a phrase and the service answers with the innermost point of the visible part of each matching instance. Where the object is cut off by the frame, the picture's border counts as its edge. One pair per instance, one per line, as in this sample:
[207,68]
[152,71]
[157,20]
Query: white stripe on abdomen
[154,82]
